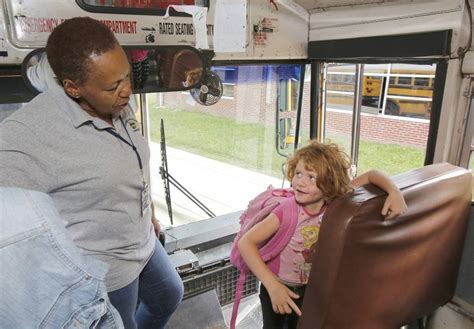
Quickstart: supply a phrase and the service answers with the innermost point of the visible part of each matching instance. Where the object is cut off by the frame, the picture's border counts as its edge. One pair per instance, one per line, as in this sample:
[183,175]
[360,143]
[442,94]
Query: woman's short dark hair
[72,43]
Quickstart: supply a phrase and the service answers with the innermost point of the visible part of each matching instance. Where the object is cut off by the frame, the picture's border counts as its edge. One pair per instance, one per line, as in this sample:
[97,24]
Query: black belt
[299,290]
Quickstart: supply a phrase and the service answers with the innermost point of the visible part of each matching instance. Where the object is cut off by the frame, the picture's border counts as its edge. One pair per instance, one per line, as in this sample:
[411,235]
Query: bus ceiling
[286,30]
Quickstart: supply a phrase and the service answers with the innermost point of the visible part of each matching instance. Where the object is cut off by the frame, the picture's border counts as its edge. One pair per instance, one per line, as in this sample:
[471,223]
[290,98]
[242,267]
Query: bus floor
[250,314]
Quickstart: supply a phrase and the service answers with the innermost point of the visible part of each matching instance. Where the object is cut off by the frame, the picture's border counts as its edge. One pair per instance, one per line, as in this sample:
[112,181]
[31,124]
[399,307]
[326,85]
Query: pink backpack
[258,209]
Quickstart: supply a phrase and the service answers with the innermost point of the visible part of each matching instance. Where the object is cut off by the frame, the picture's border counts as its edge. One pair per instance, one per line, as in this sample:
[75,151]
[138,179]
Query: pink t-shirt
[294,260]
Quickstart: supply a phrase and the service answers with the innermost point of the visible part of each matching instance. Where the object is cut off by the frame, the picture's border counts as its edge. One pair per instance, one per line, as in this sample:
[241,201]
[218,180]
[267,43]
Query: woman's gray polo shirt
[53,146]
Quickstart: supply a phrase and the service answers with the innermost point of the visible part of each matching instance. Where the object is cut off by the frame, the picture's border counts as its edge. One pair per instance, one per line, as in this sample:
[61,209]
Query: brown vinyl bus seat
[369,273]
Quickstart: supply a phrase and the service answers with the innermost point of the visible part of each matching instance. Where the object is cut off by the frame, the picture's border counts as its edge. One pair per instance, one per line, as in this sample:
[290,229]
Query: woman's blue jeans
[159,289]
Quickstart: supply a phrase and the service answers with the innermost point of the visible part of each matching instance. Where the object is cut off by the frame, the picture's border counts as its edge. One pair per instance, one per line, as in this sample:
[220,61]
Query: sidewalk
[221,187]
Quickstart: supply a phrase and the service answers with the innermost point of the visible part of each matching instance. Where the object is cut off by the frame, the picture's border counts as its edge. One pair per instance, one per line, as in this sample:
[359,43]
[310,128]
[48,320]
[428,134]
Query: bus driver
[73,142]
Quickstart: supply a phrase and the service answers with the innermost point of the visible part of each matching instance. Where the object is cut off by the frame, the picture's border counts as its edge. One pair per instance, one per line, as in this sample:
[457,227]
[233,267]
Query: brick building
[250,96]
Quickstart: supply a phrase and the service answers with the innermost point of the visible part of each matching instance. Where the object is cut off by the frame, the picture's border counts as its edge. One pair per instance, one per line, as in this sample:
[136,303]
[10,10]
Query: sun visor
[393,19]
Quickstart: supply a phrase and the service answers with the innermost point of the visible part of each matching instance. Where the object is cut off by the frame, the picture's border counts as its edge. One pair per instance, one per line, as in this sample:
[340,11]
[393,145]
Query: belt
[299,290]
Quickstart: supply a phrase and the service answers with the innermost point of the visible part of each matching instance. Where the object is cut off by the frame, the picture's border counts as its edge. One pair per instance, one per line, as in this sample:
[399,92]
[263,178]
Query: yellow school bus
[408,94]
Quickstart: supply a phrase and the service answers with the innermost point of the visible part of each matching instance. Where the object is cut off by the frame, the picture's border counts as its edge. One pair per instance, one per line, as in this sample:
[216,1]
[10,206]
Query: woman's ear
[71,88]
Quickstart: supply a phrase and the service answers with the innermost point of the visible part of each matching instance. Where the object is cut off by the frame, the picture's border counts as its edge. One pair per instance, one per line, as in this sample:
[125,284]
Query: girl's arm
[280,295]
[395,203]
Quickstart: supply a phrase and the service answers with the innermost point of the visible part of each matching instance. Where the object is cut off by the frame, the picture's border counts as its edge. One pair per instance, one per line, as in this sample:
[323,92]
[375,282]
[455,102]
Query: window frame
[132,11]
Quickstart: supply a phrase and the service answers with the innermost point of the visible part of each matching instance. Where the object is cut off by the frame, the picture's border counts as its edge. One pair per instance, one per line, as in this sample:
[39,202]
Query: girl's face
[307,192]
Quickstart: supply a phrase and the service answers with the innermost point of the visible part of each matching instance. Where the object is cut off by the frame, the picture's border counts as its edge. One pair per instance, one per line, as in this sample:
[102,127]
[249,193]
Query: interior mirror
[161,69]
[153,69]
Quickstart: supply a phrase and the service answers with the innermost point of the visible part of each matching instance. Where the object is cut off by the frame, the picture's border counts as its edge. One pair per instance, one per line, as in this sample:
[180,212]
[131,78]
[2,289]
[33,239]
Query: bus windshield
[224,152]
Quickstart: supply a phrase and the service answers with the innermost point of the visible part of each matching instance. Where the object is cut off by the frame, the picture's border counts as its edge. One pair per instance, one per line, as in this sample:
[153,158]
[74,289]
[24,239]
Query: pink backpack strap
[284,234]
[270,250]
[238,295]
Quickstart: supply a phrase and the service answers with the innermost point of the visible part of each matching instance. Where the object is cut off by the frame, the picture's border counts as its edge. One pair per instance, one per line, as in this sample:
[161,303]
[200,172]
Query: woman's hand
[282,299]
[156,226]
[394,205]
[154,221]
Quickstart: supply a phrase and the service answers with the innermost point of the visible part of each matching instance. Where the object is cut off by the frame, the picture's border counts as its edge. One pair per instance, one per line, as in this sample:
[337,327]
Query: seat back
[370,273]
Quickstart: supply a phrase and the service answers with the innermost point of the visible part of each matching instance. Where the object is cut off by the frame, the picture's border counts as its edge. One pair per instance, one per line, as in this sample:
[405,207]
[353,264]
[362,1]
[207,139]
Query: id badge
[145,198]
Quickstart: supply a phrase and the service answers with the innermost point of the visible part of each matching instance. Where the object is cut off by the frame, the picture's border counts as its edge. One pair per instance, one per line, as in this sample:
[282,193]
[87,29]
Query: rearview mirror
[161,69]
[153,69]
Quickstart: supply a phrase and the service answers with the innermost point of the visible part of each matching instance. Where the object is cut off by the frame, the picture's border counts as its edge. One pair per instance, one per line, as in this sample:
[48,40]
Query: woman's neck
[92,112]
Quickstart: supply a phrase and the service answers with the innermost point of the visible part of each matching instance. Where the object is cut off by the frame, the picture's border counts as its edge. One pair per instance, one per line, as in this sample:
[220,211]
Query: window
[404,81]
[228,90]
[423,82]
[228,75]
[349,79]
[394,121]
[225,153]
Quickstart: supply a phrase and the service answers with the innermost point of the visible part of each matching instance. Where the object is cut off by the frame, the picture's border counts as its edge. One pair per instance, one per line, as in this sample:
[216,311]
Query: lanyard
[114,133]
[145,191]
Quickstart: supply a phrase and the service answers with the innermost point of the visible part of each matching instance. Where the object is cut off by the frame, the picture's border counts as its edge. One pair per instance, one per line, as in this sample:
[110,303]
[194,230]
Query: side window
[422,82]
[404,81]
[395,116]
[228,76]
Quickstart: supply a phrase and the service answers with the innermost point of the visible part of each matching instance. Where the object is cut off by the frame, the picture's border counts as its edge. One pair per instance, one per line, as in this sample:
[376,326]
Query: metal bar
[167,179]
[356,116]
[440,82]
[383,104]
[145,118]
[164,172]
[314,100]
[300,104]
[323,94]
[190,196]
[277,116]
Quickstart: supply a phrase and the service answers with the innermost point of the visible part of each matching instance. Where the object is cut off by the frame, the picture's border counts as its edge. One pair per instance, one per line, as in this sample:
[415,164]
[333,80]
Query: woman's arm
[395,203]
[154,221]
[281,296]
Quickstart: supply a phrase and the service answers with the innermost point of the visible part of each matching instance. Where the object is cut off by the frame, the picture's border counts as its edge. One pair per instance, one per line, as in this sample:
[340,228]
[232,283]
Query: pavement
[221,187]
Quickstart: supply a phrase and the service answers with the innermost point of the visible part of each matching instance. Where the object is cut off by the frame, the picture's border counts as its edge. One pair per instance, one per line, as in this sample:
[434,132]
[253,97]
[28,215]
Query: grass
[246,145]
[390,158]
[251,146]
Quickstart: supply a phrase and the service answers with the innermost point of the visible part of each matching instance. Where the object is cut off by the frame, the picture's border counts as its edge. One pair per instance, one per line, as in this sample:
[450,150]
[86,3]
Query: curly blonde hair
[331,165]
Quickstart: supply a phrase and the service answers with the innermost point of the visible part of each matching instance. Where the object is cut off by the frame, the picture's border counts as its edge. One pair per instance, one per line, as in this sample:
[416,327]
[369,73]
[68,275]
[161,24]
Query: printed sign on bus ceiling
[31,22]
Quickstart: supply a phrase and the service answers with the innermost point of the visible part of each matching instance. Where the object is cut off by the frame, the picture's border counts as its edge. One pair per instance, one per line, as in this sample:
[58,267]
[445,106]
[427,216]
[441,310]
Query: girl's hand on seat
[394,205]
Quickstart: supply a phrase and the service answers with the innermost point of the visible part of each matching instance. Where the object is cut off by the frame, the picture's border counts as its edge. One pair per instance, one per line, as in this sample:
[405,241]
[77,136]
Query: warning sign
[262,29]
[38,24]
[48,24]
